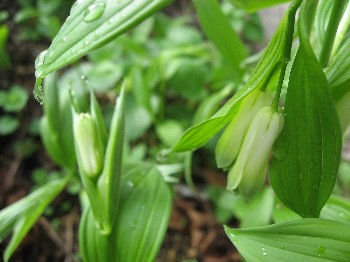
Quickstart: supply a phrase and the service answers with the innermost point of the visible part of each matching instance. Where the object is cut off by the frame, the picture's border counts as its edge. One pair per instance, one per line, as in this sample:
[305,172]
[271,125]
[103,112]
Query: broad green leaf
[56,124]
[145,205]
[91,24]
[218,29]
[255,5]
[15,99]
[299,240]
[337,208]
[338,72]
[21,215]
[304,168]
[269,63]
[322,18]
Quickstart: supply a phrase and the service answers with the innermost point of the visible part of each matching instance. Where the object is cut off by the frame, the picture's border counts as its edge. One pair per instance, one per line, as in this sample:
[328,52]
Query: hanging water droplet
[38,91]
[94,12]
[40,59]
[264,252]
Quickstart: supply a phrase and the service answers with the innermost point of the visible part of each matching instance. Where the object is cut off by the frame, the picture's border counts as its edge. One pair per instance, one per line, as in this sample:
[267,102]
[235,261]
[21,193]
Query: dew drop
[38,91]
[341,214]
[264,252]
[40,59]
[130,184]
[87,42]
[94,12]
[68,19]
[320,251]
[51,54]
[64,39]
[73,51]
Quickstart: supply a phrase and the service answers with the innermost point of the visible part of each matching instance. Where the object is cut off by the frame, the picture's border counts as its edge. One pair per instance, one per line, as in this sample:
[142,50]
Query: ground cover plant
[131,94]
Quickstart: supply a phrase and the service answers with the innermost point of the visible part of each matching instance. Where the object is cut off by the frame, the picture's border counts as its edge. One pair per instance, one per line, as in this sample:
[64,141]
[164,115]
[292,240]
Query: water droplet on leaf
[264,252]
[38,91]
[94,12]
[40,59]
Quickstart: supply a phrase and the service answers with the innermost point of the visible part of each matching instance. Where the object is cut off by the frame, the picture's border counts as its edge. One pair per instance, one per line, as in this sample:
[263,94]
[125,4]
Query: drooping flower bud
[249,171]
[88,144]
[230,142]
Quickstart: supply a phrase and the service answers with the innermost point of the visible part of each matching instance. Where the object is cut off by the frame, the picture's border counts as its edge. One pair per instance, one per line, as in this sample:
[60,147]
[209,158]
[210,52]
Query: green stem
[286,50]
[331,31]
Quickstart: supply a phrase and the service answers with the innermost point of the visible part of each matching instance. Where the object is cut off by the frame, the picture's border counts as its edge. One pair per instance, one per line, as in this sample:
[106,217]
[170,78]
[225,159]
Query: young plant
[301,133]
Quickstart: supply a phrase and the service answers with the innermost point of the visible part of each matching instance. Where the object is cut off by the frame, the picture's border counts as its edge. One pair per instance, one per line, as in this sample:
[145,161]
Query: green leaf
[91,24]
[169,131]
[337,208]
[338,72]
[5,62]
[8,125]
[109,181]
[198,135]
[298,240]
[144,214]
[255,5]
[14,100]
[304,168]
[218,29]
[21,215]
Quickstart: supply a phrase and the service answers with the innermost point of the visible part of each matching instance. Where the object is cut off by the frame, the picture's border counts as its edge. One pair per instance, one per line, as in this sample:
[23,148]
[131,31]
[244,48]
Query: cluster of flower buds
[245,146]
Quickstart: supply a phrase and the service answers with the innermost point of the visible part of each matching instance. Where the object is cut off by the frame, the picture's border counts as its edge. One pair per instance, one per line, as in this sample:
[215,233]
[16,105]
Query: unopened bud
[249,172]
[88,145]
[230,142]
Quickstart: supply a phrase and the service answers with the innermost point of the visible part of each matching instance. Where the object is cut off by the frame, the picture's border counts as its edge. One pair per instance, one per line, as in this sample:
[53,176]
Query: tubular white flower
[249,172]
[230,142]
[88,145]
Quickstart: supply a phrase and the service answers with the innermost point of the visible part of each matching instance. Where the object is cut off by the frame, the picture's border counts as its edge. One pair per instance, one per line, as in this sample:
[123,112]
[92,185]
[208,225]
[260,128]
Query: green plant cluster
[144,90]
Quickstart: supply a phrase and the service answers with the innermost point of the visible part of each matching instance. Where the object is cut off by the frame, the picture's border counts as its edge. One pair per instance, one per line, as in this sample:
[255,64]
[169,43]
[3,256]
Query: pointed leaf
[91,24]
[143,214]
[219,30]
[300,240]
[254,5]
[198,135]
[23,214]
[304,168]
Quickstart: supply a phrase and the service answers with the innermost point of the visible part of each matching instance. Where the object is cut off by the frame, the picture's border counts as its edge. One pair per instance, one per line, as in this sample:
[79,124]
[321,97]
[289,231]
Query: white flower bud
[249,172]
[88,145]
[230,142]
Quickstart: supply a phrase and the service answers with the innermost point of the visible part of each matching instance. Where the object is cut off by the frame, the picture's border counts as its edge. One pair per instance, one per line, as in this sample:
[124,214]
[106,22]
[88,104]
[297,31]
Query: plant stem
[331,31]
[286,50]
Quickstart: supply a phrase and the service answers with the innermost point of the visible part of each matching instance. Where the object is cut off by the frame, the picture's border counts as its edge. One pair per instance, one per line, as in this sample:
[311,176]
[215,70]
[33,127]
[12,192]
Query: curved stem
[331,31]
[286,50]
